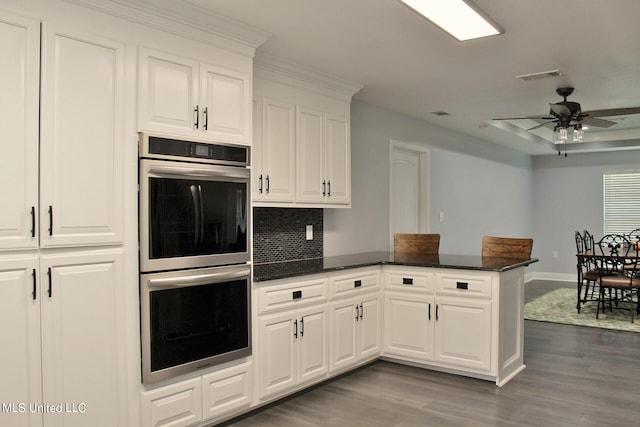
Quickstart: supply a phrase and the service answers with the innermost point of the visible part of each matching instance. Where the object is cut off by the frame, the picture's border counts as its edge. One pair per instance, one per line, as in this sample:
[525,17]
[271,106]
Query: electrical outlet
[441,216]
[555,254]
[309,232]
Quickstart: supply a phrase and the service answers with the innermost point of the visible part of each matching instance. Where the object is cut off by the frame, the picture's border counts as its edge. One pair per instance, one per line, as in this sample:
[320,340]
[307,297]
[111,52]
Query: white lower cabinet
[355,331]
[199,400]
[443,318]
[355,318]
[463,333]
[292,349]
[60,320]
[408,325]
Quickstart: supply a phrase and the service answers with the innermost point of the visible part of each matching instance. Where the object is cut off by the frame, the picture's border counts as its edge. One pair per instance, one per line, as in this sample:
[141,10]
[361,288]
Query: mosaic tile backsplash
[279,234]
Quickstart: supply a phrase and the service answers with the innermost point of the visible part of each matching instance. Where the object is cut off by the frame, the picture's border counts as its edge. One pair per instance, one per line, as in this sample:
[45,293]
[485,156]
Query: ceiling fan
[568,113]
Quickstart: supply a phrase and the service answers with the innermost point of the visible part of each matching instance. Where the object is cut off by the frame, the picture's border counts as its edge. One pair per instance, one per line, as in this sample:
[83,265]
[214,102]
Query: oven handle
[211,171]
[199,279]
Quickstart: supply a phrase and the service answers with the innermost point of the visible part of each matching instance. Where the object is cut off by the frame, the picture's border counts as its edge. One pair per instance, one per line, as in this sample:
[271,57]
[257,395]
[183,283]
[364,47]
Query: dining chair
[424,244]
[634,236]
[588,240]
[506,247]
[587,273]
[617,262]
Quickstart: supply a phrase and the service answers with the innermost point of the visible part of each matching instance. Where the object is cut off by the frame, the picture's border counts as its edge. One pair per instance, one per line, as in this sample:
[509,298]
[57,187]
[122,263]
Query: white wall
[482,188]
[567,196]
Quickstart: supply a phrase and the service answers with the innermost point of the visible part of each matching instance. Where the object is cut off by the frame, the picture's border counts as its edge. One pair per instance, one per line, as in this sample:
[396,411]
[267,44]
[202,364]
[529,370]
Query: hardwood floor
[575,376]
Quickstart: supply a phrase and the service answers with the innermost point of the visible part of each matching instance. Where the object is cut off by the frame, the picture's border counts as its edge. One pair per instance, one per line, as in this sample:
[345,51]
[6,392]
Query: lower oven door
[193,319]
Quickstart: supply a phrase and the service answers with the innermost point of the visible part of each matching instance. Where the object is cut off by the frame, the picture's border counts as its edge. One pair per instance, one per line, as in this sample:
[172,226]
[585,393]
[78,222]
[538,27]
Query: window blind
[621,201]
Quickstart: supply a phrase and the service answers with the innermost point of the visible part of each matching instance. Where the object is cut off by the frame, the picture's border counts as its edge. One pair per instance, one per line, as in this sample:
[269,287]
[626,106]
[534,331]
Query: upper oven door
[192,215]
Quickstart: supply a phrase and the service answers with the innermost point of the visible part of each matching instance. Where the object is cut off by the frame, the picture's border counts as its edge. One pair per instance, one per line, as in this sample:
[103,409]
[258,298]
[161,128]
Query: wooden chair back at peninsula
[506,247]
[425,244]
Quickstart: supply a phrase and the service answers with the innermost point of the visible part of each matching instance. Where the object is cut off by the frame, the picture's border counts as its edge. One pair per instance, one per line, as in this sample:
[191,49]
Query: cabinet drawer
[408,279]
[356,282]
[226,390]
[178,404]
[286,295]
[476,286]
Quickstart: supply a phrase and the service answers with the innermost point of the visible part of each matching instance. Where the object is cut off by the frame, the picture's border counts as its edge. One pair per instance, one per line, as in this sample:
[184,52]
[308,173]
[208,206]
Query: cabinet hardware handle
[260,184]
[268,184]
[49,291]
[462,285]
[205,113]
[357,312]
[33,221]
[295,329]
[324,188]
[429,311]
[407,280]
[297,294]
[50,220]
[357,283]
[361,311]
[437,316]
[196,110]
[301,327]
[33,291]
[329,188]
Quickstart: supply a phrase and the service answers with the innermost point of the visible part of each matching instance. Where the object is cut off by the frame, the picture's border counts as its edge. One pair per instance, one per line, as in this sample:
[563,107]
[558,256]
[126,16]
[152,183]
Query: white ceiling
[408,65]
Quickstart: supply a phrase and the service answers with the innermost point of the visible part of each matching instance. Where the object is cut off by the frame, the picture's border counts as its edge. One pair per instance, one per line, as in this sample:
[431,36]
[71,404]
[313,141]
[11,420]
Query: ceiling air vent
[541,75]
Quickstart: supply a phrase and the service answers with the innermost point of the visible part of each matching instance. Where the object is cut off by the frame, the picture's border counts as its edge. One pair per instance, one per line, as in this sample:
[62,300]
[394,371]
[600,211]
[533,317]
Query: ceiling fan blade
[538,117]
[540,125]
[601,123]
[560,110]
[613,112]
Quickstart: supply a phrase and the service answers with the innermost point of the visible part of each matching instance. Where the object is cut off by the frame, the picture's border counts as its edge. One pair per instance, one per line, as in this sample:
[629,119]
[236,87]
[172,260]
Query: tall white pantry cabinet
[61,226]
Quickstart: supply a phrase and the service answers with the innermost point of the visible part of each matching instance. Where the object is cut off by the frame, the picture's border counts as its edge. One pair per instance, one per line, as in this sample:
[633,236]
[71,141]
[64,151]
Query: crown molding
[280,70]
[184,19]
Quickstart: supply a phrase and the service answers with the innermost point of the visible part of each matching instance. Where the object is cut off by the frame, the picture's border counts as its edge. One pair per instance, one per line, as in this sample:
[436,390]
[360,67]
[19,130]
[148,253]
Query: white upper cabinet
[19,80]
[273,150]
[186,96]
[319,157]
[81,139]
[76,149]
[324,157]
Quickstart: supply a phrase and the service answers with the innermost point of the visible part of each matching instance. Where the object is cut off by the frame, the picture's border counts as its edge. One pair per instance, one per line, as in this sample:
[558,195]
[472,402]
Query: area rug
[559,306]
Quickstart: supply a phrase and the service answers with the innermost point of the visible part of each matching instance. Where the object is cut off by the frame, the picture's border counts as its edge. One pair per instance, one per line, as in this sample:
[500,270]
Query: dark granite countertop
[281,270]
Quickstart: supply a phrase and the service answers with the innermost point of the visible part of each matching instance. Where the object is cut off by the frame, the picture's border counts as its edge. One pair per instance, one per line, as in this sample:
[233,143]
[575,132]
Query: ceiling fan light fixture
[460,18]
[578,133]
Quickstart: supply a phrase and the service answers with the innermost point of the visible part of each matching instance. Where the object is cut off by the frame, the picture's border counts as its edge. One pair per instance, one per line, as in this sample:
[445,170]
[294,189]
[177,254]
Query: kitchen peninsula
[454,313]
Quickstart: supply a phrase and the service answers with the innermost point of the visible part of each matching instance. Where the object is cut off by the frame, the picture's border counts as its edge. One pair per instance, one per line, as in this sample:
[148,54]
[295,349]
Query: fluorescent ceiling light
[460,18]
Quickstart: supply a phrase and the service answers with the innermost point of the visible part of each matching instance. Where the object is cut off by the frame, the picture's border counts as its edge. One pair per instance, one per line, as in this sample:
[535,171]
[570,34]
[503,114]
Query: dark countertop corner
[287,269]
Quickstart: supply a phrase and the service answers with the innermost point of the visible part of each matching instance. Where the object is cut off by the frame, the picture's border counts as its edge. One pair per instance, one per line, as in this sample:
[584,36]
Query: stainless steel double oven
[194,254]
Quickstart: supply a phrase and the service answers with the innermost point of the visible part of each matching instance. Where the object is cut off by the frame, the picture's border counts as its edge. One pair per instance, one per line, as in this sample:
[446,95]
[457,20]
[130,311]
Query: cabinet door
[225,99]
[337,154]
[19,103]
[168,93]
[83,360]
[463,333]
[408,325]
[311,184]
[81,184]
[277,354]
[369,327]
[312,344]
[278,151]
[20,332]
[343,351]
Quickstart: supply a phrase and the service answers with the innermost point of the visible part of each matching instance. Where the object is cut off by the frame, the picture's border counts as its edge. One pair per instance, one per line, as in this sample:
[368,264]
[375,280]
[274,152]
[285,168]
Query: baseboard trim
[557,277]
